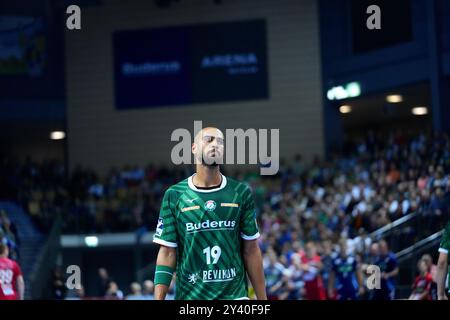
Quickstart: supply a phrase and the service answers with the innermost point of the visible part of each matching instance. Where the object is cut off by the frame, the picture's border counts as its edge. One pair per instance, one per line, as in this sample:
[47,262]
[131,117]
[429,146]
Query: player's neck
[207,176]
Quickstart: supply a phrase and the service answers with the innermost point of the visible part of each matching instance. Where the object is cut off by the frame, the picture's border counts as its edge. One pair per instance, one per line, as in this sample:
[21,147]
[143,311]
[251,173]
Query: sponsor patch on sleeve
[159,227]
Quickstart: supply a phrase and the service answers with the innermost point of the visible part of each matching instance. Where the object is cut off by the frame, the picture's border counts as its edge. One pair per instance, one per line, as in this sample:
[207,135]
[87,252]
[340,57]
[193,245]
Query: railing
[421,245]
[378,234]
[41,279]
[408,230]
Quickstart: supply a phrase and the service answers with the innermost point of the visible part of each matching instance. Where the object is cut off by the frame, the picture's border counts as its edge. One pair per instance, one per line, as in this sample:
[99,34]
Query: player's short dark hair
[3,248]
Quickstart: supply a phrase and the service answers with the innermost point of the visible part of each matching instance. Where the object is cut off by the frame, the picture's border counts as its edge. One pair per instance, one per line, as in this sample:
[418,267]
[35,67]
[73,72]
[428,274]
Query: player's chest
[201,207]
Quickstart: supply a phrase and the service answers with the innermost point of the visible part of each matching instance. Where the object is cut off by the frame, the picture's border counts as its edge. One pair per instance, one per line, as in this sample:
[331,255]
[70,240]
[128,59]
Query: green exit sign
[350,90]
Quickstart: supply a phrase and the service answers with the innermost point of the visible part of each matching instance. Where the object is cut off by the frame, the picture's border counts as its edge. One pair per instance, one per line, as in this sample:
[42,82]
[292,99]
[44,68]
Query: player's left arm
[20,287]
[254,266]
[20,283]
[251,251]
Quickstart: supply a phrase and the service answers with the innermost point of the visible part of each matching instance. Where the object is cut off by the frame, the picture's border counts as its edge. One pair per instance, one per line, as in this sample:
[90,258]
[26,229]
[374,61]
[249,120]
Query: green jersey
[444,247]
[207,226]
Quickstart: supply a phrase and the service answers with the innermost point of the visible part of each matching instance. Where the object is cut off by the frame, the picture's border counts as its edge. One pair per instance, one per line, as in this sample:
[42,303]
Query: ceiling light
[57,135]
[419,111]
[345,109]
[394,98]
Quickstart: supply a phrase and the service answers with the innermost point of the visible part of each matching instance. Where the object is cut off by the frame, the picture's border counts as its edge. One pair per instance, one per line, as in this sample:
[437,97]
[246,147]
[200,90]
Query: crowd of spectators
[303,217]
[108,289]
[9,235]
[381,180]
[303,211]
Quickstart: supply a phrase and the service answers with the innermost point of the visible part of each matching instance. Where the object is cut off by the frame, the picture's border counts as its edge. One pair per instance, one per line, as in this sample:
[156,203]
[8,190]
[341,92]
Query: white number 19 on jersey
[213,252]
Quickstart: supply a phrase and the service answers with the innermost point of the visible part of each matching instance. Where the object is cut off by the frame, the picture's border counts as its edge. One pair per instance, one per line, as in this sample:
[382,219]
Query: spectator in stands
[432,270]
[9,235]
[77,294]
[421,288]
[372,257]
[104,282]
[345,275]
[136,292]
[273,272]
[311,266]
[80,293]
[291,286]
[113,291]
[59,285]
[387,262]
[148,291]
[9,226]
[328,255]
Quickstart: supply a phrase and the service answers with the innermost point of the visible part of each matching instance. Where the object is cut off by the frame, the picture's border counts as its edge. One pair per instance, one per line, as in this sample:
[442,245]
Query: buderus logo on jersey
[210,205]
[159,227]
[215,225]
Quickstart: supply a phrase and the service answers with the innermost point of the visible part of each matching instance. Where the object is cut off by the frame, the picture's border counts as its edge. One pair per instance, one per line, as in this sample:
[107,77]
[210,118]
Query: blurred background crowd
[383,179]
[303,212]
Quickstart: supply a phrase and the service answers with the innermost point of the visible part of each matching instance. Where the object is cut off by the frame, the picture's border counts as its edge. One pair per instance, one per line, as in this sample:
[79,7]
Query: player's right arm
[166,236]
[442,265]
[166,257]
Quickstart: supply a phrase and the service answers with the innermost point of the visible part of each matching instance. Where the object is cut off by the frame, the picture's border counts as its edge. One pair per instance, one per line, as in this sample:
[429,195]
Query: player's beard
[211,162]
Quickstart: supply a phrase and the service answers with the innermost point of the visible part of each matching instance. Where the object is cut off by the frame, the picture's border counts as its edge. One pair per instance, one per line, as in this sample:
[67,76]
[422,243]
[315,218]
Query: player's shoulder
[176,190]
[238,185]
[179,187]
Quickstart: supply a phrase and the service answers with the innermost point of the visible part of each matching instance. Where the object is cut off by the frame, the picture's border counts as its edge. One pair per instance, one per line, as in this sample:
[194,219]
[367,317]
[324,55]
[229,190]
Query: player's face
[209,147]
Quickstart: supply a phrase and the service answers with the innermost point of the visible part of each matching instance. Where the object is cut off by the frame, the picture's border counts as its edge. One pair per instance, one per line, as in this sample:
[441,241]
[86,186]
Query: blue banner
[191,64]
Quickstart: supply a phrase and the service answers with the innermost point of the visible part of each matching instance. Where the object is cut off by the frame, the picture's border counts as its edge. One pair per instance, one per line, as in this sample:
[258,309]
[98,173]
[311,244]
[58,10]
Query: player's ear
[194,148]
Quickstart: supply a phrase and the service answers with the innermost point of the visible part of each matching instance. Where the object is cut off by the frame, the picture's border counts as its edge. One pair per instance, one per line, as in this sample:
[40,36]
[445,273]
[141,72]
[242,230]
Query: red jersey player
[421,289]
[311,266]
[12,286]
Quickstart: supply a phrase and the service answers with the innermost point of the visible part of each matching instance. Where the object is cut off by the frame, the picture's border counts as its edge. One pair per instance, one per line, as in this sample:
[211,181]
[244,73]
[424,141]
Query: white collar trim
[193,187]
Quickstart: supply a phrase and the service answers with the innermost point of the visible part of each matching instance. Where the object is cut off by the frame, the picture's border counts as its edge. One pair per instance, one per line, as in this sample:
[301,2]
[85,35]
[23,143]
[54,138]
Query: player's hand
[442,297]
